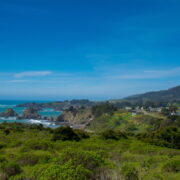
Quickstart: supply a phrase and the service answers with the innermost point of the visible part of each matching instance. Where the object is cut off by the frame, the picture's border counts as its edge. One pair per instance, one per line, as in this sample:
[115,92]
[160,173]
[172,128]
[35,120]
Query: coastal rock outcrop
[31,113]
[9,113]
[76,117]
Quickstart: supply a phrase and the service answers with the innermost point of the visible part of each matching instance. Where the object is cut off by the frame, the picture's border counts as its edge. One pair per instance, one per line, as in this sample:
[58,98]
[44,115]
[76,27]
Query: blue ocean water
[47,112]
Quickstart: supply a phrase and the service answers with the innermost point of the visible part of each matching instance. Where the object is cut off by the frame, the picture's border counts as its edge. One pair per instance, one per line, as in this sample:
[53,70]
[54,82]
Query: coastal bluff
[77,117]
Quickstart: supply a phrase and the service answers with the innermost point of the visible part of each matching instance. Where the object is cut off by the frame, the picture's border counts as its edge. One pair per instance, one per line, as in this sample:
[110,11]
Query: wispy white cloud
[164,73]
[149,74]
[15,81]
[32,74]
[18,81]
[101,76]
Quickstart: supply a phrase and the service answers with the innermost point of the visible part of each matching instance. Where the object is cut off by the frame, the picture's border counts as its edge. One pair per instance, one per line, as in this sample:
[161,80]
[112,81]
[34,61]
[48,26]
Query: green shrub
[16,143]
[18,177]
[10,168]
[129,171]
[2,159]
[2,145]
[89,159]
[82,134]
[111,134]
[132,127]
[167,137]
[27,159]
[38,145]
[67,171]
[64,134]
[32,158]
[72,164]
[7,131]
[172,166]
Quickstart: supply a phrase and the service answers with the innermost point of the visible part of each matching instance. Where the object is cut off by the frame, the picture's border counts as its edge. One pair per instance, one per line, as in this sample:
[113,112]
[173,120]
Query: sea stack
[9,113]
[31,113]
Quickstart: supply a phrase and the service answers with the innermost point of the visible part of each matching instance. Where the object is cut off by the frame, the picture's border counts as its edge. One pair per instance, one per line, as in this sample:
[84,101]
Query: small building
[128,108]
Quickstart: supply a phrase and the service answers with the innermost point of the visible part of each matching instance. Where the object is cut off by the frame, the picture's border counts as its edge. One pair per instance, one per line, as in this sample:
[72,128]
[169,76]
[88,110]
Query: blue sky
[96,49]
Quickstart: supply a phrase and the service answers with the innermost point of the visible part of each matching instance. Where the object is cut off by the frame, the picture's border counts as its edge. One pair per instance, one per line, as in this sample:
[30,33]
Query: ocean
[47,112]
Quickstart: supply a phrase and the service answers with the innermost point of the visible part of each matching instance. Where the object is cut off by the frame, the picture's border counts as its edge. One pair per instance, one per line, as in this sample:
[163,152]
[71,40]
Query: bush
[172,166]
[167,137]
[27,159]
[129,171]
[18,177]
[88,159]
[64,134]
[82,134]
[72,164]
[67,171]
[2,159]
[132,127]
[38,145]
[7,131]
[10,168]
[16,143]
[34,158]
[111,134]
[2,145]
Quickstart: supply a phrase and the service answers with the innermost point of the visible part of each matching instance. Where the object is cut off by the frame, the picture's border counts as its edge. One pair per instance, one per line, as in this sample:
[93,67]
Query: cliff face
[76,117]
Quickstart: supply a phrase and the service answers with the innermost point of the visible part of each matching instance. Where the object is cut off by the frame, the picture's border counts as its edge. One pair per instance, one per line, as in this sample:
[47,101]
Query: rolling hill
[170,95]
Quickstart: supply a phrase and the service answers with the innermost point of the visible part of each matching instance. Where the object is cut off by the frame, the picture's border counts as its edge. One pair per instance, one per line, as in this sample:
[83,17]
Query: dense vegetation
[32,152]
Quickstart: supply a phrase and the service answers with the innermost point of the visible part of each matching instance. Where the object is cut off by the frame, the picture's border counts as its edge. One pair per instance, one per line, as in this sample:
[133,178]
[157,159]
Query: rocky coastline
[61,105]
[76,118]
[29,113]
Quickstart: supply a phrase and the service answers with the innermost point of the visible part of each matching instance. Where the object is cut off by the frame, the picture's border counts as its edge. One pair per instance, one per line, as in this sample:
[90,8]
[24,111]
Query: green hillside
[31,152]
[170,95]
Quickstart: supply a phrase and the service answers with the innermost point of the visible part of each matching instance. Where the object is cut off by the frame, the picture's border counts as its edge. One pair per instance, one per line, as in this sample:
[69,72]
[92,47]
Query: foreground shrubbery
[67,133]
[37,153]
[172,166]
[129,171]
[9,169]
[64,134]
[112,134]
[167,137]
[73,164]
